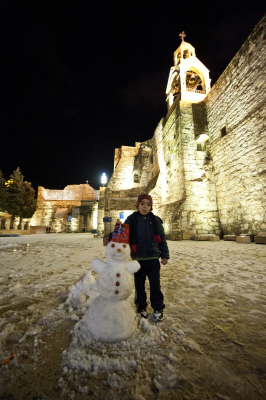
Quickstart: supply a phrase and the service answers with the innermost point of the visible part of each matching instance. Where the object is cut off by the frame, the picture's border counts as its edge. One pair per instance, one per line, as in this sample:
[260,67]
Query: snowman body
[111,318]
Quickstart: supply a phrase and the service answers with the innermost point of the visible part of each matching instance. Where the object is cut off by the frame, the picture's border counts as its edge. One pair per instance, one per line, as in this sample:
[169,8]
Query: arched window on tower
[194,82]
[185,54]
[178,58]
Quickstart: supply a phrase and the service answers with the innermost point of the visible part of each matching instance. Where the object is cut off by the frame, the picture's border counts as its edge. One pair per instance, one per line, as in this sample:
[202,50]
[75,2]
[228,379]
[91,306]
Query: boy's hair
[142,197]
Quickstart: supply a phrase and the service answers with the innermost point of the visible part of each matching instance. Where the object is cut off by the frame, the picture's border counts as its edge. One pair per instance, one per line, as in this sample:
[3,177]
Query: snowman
[111,317]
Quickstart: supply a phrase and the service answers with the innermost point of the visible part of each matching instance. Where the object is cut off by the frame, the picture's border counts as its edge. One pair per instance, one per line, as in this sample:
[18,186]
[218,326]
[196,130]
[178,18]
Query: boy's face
[145,206]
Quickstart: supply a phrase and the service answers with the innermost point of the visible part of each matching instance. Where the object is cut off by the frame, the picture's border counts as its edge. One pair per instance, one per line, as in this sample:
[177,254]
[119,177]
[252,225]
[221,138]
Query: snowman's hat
[121,233]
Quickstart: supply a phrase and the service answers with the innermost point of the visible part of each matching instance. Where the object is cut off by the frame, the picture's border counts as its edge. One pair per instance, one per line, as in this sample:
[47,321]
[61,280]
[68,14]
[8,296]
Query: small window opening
[223,131]
[199,147]
[136,178]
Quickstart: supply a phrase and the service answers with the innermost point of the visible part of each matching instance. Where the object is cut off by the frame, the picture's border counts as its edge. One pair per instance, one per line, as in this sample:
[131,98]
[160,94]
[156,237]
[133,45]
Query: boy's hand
[164,261]
[105,241]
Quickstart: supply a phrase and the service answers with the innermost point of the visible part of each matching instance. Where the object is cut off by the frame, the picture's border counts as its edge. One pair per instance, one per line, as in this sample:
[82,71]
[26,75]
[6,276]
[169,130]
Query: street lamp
[103,179]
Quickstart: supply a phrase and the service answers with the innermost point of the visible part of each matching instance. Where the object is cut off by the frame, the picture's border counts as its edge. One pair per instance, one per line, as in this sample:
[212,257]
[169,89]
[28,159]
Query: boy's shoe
[157,316]
[143,314]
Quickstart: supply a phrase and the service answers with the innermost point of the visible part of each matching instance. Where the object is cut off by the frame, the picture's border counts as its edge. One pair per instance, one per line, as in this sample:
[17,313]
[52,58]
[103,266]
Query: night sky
[82,78]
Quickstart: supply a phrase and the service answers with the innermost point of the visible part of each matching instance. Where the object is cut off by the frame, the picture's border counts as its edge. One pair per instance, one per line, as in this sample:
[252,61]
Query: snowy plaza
[211,344]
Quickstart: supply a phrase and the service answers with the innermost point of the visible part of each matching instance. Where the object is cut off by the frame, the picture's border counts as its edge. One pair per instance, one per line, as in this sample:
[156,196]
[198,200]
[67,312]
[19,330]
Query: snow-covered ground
[211,344]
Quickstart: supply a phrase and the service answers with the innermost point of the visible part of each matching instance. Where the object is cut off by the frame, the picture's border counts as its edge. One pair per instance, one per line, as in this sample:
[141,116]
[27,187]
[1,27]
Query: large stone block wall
[122,177]
[143,164]
[184,194]
[199,211]
[237,102]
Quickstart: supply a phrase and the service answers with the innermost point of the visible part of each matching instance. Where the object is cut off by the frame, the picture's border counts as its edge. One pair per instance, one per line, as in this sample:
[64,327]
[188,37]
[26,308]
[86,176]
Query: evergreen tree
[20,199]
[2,192]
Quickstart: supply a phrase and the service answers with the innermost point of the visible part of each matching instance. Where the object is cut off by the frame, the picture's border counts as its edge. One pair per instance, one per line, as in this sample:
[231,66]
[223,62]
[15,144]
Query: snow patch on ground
[213,332]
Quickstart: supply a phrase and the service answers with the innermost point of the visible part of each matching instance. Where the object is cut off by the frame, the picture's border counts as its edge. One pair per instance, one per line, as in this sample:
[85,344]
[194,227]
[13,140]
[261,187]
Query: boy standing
[148,244]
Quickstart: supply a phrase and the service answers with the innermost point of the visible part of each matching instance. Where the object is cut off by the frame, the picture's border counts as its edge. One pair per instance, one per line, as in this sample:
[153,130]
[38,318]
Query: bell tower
[189,79]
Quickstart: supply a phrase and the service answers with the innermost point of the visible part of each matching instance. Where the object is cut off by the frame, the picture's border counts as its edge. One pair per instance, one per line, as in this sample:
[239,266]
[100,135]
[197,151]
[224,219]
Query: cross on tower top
[182,35]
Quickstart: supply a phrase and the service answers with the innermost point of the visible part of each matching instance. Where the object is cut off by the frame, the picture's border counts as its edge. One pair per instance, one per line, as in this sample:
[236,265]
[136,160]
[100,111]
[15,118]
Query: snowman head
[117,251]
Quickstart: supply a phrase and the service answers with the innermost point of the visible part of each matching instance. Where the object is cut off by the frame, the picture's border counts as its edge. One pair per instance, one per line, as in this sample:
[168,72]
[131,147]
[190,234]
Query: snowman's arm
[97,265]
[133,266]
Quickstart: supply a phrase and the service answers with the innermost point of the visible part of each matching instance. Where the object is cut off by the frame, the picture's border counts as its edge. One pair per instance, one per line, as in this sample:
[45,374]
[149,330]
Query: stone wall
[184,194]
[237,103]
[172,170]
[132,173]
[113,203]
[122,177]
[54,207]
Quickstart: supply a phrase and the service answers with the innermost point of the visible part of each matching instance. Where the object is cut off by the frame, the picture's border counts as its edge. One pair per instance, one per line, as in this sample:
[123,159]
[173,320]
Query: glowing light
[104,179]
[9,182]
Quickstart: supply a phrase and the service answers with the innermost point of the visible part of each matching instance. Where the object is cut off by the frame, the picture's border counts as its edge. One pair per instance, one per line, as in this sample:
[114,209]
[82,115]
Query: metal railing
[195,91]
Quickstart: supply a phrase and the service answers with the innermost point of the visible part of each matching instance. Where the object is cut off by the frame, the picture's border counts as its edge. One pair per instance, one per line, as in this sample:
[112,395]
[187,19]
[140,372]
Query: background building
[73,209]
[205,165]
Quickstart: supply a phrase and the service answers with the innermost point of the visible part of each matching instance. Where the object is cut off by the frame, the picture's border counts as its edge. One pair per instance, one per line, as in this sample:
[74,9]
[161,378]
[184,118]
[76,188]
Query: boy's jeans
[151,269]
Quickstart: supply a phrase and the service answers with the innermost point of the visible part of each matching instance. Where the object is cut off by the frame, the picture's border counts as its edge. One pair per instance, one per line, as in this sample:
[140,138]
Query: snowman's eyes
[124,245]
[113,245]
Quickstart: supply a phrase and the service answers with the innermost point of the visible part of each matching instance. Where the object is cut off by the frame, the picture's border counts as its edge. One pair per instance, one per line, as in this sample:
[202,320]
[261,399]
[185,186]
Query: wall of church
[185,188]
[122,177]
[173,171]
[133,172]
[237,104]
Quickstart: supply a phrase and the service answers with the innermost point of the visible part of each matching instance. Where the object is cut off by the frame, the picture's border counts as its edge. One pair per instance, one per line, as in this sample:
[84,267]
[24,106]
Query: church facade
[205,165]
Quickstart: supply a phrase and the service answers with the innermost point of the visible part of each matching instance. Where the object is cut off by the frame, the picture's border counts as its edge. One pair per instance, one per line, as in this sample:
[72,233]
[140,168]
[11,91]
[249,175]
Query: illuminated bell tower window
[185,54]
[189,79]
[194,82]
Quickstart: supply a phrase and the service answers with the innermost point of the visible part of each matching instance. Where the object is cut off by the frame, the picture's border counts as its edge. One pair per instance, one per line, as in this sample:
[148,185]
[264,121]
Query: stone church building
[205,165]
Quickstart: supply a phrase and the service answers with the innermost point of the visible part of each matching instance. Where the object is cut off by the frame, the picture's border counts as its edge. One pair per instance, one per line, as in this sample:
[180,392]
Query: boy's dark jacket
[146,245]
